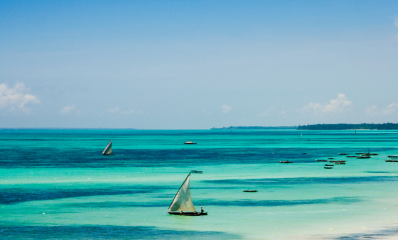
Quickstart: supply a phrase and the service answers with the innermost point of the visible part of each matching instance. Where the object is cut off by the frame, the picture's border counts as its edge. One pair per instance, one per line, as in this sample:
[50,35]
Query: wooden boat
[351,156]
[374,154]
[188,213]
[249,190]
[196,171]
[286,161]
[320,160]
[359,153]
[328,167]
[338,161]
[391,160]
[393,156]
[342,163]
[189,143]
[108,149]
[343,154]
[363,156]
[182,203]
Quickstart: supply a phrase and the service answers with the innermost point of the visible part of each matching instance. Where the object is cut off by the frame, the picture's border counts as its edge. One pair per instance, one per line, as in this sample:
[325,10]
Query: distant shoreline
[338,126]
[253,127]
[350,126]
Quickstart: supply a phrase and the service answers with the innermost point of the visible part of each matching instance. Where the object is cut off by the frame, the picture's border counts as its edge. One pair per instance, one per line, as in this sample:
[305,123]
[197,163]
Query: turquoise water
[56,184]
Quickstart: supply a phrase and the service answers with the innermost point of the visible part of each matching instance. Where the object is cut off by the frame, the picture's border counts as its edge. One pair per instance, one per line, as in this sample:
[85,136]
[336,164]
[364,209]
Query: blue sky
[197,64]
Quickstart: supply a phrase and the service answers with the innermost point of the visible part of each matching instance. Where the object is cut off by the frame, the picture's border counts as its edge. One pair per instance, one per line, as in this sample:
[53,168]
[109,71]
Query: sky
[197,64]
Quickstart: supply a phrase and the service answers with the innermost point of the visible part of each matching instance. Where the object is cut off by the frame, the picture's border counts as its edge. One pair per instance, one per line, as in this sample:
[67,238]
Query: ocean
[56,184]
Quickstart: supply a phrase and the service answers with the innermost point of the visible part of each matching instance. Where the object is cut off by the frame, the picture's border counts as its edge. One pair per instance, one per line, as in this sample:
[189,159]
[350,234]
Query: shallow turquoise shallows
[56,184]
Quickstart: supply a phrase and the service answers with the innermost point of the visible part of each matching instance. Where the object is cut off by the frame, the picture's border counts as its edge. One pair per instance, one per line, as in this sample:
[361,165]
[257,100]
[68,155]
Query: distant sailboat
[182,203]
[108,149]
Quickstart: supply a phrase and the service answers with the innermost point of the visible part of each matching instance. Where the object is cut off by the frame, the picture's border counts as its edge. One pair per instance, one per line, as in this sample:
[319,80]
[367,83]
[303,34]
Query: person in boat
[201,210]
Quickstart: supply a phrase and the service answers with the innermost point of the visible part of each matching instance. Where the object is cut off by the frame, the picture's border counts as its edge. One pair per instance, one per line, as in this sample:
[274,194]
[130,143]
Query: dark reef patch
[303,180]
[18,195]
[223,203]
[274,203]
[105,232]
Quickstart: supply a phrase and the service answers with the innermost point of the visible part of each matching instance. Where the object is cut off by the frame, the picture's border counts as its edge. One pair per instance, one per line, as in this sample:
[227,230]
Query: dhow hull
[188,213]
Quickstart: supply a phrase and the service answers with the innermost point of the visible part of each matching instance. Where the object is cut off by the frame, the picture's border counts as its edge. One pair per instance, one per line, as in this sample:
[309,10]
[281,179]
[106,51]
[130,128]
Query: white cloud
[374,110]
[266,113]
[16,98]
[390,108]
[118,110]
[128,112]
[225,108]
[68,109]
[113,110]
[335,106]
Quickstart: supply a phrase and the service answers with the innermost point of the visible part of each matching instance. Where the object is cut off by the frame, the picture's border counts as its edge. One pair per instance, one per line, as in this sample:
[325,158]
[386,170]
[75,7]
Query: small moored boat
[196,171]
[391,160]
[320,160]
[343,154]
[249,190]
[328,167]
[363,156]
[189,142]
[286,161]
[336,161]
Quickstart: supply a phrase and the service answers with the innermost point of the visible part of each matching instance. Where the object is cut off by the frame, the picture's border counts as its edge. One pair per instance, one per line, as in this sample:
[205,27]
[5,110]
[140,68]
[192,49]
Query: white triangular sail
[108,149]
[183,201]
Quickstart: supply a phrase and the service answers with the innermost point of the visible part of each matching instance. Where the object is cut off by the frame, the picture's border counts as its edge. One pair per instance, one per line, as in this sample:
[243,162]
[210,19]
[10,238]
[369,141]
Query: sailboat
[108,149]
[182,203]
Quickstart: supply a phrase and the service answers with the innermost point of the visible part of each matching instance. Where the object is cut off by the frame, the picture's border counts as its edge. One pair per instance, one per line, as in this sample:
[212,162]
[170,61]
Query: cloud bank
[335,106]
[16,98]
